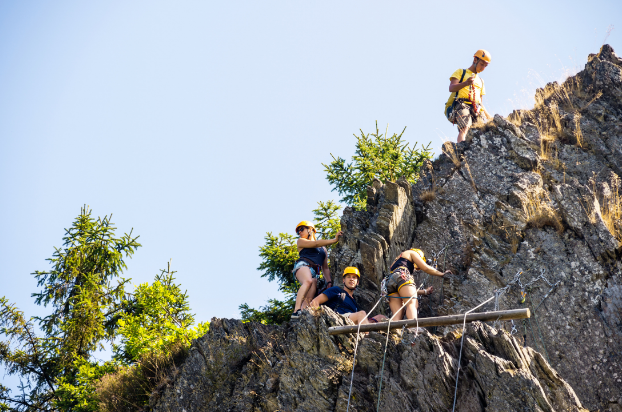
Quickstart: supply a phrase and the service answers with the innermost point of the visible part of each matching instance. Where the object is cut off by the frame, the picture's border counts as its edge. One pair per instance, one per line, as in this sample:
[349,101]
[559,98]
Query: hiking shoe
[296,314]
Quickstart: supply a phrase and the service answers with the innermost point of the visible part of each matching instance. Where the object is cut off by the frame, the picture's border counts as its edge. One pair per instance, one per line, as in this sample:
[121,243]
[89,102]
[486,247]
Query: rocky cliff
[530,204]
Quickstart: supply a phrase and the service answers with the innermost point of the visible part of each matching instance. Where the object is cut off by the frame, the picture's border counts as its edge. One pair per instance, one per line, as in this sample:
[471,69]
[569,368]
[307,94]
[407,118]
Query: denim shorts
[302,263]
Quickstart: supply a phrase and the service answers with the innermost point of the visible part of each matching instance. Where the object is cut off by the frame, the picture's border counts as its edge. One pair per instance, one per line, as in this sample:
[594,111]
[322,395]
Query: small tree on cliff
[377,156]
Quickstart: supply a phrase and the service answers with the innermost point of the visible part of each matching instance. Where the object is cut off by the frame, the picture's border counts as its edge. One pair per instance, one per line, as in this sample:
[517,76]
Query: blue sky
[203,125]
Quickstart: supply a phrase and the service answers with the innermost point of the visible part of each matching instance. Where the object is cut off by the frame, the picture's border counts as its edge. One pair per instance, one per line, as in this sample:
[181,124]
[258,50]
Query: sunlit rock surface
[533,194]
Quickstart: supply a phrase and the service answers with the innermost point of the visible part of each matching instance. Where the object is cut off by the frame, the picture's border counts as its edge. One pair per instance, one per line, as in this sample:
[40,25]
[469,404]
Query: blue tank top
[315,254]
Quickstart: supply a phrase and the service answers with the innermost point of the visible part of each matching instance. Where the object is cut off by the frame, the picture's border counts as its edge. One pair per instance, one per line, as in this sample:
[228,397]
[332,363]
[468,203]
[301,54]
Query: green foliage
[89,307]
[130,387]
[78,393]
[377,156]
[26,355]
[157,316]
[155,329]
[278,256]
[275,312]
[85,303]
[79,286]
[327,220]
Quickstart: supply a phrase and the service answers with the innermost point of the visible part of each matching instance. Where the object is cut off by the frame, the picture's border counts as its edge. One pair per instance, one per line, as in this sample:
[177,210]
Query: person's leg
[463,120]
[395,304]
[411,306]
[310,295]
[462,133]
[306,281]
[359,317]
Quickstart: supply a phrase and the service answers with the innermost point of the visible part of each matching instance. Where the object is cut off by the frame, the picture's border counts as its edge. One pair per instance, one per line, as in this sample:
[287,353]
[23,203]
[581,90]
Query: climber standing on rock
[313,259]
[464,106]
[400,284]
[342,300]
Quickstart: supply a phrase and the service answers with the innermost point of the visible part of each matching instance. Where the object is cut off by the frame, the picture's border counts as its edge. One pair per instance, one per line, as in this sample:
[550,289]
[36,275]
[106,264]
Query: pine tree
[85,290]
[377,156]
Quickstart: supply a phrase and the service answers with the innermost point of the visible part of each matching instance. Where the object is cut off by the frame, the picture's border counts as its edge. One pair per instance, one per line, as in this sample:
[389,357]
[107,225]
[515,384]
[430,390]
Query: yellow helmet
[305,223]
[353,270]
[484,55]
[420,252]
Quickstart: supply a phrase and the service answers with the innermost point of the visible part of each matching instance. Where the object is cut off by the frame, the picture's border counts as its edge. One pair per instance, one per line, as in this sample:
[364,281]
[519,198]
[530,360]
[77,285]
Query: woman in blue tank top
[313,259]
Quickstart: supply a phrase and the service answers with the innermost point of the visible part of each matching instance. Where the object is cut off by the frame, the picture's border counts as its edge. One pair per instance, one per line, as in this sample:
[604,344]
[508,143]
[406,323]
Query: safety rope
[356,345]
[386,344]
[461,342]
[472,98]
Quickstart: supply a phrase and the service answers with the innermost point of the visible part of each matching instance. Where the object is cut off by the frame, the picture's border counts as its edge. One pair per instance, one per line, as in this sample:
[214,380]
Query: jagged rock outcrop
[249,367]
[535,193]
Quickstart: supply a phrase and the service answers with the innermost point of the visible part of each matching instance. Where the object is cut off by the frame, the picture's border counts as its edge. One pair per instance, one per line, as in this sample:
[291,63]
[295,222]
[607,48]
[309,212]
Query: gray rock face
[250,367]
[479,213]
[534,195]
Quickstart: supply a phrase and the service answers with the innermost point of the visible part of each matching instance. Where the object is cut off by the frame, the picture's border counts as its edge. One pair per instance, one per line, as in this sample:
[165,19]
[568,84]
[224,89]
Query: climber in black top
[400,284]
[313,260]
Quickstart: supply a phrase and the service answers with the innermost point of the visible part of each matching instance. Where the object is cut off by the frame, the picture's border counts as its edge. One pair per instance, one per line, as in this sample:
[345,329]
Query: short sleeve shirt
[480,90]
[340,301]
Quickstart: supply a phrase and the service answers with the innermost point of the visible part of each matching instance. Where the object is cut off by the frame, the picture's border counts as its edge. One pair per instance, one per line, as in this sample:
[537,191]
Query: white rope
[356,345]
[386,344]
[461,341]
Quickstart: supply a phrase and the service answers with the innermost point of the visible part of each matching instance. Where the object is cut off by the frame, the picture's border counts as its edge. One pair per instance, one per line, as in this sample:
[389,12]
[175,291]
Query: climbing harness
[472,98]
[356,345]
[461,342]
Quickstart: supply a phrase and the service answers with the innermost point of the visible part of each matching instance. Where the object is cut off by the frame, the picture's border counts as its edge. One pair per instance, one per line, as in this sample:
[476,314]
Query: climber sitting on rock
[400,284]
[342,300]
[313,259]
[464,106]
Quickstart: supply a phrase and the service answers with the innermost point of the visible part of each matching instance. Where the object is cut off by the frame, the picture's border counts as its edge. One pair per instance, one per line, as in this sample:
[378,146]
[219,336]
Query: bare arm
[319,299]
[455,85]
[306,243]
[416,259]
[425,292]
